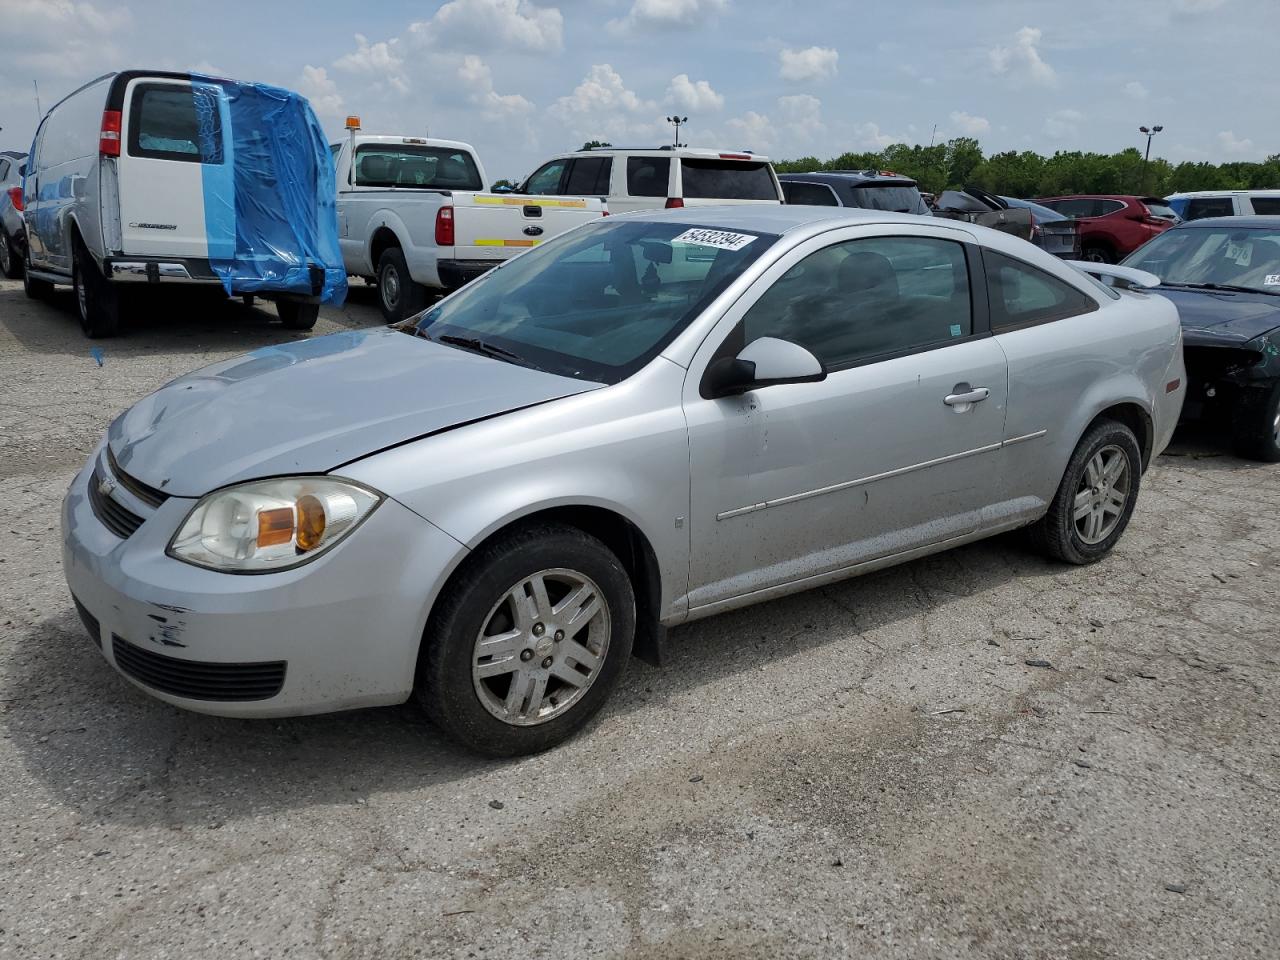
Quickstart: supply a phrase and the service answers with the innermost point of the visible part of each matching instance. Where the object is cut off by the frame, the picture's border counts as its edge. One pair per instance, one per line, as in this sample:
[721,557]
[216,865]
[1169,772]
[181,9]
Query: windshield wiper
[476,345]
[1229,287]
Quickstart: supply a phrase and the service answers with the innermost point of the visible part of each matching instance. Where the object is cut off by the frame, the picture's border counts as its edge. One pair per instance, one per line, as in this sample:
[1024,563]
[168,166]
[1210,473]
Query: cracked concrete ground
[870,769]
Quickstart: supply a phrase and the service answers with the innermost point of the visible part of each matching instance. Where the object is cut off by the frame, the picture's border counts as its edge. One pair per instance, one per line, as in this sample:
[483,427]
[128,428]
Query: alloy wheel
[1102,495]
[541,647]
[6,255]
[82,301]
[390,288]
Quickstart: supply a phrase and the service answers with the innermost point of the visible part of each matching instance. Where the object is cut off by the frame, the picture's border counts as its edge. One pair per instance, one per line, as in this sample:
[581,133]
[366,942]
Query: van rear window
[168,122]
[727,180]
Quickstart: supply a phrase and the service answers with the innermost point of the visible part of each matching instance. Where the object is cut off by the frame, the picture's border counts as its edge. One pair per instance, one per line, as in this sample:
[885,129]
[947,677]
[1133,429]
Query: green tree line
[961,163]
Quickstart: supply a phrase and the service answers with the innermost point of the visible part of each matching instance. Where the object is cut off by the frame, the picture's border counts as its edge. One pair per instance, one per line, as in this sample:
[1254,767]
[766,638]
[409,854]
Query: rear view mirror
[655,251]
[766,362]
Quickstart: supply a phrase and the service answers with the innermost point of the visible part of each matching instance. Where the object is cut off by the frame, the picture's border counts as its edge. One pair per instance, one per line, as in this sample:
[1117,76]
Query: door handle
[965,396]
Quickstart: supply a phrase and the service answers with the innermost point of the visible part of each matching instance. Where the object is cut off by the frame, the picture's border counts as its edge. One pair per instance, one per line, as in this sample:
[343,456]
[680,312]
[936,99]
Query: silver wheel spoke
[1095,524]
[1093,472]
[542,604]
[572,650]
[524,608]
[1084,504]
[518,693]
[562,671]
[1114,468]
[1115,501]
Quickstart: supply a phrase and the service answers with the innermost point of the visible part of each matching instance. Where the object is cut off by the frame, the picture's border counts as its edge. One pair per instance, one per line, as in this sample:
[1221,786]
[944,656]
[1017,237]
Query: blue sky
[523,80]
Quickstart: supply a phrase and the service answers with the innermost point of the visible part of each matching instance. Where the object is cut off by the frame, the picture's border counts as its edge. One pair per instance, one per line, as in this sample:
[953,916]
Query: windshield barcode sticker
[1272,280]
[715,238]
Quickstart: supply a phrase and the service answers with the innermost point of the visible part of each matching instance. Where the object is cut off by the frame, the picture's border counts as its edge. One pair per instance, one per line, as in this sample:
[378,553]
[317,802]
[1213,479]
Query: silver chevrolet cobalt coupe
[648,420]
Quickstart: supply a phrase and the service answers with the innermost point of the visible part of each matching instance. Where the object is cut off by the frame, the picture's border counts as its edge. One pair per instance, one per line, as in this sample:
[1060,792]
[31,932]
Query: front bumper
[337,633]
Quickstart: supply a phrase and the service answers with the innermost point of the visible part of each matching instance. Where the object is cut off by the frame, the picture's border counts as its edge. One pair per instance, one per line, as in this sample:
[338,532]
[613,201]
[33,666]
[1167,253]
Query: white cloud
[1198,6]
[1063,124]
[698,96]
[1135,90]
[315,85]
[869,136]
[603,107]
[59,38]
[812,63]
[801,115]
[1230,144]
[1022,60]
[968,124]
[493,25]
[665,14]
[477,79]
[381,61]
[753,130]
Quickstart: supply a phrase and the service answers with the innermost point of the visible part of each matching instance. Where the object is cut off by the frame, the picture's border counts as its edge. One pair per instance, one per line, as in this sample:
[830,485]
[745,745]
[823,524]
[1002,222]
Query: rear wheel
[398,295]
[10,263]
[297,316]
[528,642]
[97,303]
[1097,253]
[1257,429]
[35,289]
[1096,497]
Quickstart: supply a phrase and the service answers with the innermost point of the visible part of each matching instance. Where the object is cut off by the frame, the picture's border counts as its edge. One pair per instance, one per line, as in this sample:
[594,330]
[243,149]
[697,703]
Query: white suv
[645,179]
[1225,203]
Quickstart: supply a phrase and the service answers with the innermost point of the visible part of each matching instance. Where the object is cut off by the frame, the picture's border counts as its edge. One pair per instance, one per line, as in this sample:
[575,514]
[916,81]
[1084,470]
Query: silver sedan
[648,420]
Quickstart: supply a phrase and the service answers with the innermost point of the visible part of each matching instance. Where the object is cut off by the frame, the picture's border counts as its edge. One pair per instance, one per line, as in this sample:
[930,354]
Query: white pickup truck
[412,216]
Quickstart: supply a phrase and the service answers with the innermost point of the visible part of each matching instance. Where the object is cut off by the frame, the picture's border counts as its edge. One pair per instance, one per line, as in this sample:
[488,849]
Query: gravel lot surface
[870,769]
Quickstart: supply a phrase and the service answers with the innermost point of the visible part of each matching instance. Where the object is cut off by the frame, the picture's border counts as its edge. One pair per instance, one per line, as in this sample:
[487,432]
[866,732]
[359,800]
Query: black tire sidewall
[100,316]
[392,260]
[297,316]
[445,687]
[1255,436]
[8,257]
[1061,514]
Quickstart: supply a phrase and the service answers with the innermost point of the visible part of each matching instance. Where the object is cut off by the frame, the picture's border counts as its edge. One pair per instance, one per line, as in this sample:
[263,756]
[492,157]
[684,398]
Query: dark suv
[1112,227]
[870,189]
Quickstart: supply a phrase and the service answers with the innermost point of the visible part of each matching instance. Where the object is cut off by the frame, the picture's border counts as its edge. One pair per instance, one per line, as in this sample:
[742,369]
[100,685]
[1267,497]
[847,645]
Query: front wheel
[1096,497]
[297,316]
[10,263]
[1257,429]
[527,642]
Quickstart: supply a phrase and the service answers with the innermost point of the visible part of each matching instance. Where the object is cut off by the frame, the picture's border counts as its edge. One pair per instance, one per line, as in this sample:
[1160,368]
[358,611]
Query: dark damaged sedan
[1223,274]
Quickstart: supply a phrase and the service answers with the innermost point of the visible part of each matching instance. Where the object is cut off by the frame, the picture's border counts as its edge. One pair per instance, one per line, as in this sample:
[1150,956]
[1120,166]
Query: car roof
[1236,223]
[362,138]
[1193,194]
[693,153]
[1099,196]
[849,176]
[783,218]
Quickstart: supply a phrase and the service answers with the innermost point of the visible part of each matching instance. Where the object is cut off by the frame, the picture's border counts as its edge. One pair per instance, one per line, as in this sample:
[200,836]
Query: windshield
[1161,210]
[599,302]
[899,199]
[1226,256]
[1042,213]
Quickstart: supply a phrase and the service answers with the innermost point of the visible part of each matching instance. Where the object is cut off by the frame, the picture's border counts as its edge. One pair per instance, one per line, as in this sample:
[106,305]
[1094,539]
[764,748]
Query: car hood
[1221,314]
[313,405]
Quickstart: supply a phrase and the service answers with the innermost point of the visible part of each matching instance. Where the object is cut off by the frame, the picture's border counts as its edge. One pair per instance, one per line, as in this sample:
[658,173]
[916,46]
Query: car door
[892,451]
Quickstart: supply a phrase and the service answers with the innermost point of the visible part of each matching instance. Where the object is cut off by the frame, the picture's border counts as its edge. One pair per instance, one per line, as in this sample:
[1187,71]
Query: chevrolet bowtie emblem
[105,486]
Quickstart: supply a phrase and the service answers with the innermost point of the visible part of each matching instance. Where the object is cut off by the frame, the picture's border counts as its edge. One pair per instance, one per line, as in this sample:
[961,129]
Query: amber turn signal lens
[310,522]
[275,526]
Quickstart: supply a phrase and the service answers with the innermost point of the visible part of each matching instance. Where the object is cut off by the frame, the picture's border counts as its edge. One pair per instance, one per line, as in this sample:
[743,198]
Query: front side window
[1213,256]
[545,180]
[648,176]
[176,122]
[862,299]
[600,302]
[414,165]
[809,194]
[1201,207]
[1022,295]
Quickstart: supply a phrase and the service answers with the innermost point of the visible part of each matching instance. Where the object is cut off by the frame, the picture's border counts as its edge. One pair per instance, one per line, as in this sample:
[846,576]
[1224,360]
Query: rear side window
[1161,210]
[1022,295]
[589,176]
[1104,207]
[172,122]
[1075,207]
[1201,207]
[727,180]
[412,165]
[648,176]
[809,194]
[1266,206]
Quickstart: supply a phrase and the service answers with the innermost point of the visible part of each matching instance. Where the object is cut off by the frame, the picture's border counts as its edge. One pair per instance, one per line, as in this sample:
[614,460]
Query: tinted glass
[1213,255]
[412,165]
[1266,206]
[589,176]
[546,179]
[1075,207]
[727,180]
[862,299]
[168,122]
[1021,295]
[809,194]
[1042,213]
[599,302]
[899,199]
[1163,211]
[1201,207]
[1104,207]
[648,176]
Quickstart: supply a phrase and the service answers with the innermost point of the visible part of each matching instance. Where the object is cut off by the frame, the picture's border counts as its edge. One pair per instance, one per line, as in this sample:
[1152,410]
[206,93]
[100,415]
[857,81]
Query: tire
[297,316]
[10,262]
[1064,536]
[33,288]
[468,692]
[96,300]
[1257,429]
[1097,253]
[398,295]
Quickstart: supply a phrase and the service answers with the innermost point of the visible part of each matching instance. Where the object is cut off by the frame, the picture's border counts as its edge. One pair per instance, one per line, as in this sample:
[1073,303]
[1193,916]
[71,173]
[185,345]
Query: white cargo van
[132,180]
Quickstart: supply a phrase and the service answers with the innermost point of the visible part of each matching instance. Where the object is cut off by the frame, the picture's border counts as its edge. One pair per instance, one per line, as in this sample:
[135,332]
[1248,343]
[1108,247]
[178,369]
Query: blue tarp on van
[270,208]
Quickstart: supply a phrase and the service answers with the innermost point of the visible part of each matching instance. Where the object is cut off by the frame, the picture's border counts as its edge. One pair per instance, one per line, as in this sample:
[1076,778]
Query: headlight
[271,524]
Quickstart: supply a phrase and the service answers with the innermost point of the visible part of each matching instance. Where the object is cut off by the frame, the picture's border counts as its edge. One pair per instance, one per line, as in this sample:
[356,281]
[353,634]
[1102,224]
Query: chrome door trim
[849,484]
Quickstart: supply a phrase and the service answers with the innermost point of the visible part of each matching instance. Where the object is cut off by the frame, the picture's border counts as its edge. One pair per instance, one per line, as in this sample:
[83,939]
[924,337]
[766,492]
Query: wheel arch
[384,238]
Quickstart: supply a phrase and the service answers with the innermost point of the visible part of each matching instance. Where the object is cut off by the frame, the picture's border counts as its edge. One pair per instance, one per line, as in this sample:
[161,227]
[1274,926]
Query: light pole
[1150,132]
[677,120]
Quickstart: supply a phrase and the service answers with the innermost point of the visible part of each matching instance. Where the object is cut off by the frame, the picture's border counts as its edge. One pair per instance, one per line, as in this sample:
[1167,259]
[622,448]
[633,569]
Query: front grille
[148,495]
[114,516]
[196,680]
[89,620]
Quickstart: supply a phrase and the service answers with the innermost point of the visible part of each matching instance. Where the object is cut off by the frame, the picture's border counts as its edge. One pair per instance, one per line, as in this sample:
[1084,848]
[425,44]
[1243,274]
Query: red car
[1112,227]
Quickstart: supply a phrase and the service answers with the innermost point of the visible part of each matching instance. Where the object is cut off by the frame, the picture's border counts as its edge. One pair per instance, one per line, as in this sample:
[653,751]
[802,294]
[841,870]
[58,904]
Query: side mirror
[766,362]
[500,189]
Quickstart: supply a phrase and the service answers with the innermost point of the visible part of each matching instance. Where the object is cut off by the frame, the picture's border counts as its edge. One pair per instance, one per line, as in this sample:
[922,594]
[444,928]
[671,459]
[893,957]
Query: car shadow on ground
[114,754]
[1210,446]
[157,323]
